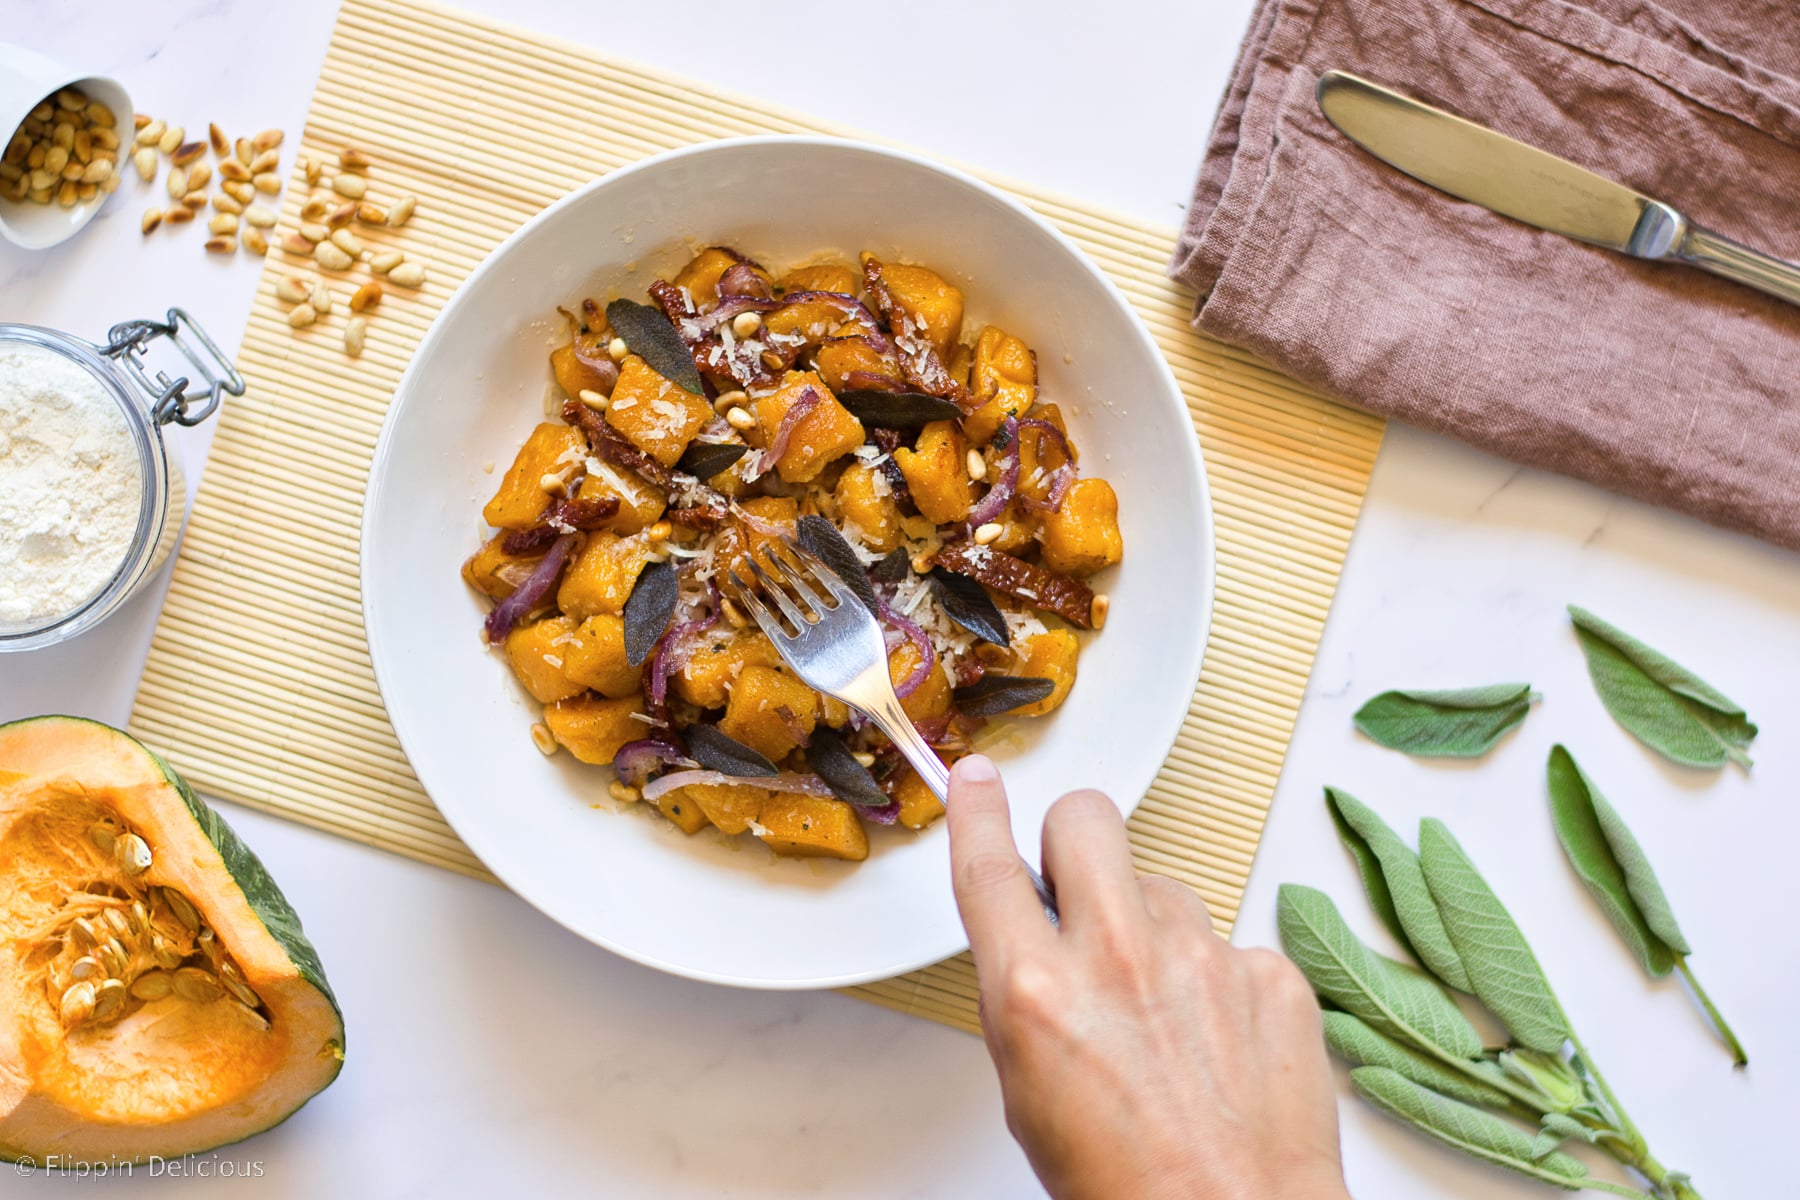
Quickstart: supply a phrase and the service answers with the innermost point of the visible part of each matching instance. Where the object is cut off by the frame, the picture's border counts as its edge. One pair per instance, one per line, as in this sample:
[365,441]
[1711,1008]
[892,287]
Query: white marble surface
[491,1052]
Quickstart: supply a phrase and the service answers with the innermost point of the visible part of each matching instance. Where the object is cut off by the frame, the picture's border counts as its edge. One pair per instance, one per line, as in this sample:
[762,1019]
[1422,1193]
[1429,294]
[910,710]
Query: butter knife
[1474,163]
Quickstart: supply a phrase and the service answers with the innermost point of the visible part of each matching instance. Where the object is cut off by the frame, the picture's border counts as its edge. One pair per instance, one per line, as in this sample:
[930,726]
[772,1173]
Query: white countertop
[490,1052]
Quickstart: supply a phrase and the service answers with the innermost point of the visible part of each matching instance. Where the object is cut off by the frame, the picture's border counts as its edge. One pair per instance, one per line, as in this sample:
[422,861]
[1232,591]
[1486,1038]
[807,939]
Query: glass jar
[149,403]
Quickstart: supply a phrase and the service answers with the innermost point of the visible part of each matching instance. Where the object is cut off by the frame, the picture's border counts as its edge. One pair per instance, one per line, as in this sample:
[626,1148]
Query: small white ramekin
[26,79]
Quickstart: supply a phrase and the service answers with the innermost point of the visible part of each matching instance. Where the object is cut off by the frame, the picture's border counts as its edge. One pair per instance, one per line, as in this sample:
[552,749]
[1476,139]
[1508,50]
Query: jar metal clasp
[127,343]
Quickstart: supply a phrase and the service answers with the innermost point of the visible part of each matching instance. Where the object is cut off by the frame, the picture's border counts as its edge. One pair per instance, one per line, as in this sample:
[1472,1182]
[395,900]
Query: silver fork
[838,649]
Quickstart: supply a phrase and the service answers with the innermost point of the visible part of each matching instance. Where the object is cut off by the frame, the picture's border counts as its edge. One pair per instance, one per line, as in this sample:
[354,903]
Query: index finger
[999,906]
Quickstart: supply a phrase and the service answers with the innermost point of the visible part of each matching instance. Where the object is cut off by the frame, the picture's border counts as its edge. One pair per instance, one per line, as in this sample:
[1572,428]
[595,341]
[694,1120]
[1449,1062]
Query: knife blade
[1518,180]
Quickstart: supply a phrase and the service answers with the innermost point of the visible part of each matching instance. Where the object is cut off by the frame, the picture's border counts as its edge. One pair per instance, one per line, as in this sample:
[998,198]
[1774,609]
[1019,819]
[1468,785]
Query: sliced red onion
[921,642]
[787,781]
[1001,494]
[606,371]
[676,647]
[758,524]
[636,762]
[887,814]
[531,593]
[742,280]
[732,306]
[797,412]
[1063,477]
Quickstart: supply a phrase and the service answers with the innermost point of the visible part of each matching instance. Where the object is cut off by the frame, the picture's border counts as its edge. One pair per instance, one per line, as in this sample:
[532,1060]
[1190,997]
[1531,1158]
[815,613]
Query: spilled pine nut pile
[65,152]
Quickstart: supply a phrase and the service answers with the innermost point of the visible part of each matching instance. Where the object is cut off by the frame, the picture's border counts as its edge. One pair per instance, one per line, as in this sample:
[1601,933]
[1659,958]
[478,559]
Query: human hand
[1141,1056]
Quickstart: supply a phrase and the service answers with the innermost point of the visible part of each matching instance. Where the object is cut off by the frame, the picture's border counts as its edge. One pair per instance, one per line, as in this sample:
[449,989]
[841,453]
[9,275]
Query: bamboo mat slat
[258,684]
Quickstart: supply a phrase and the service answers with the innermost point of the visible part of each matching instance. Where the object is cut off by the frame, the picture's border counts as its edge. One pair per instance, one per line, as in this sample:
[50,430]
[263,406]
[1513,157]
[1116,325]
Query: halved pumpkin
[157,994]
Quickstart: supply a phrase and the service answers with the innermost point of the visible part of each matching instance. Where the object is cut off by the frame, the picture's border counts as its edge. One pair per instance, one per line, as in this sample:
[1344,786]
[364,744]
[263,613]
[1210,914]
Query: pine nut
[365,297]
[254,241]
[617,350]
[342,215]
[543,739]
[242,151]
[746,323]
[268,160]
[177,182]
[728,401]
[268,182]
[332,257]
[383,261]
[864,758]
[356,334]
[555,485]
[223,223]
[293,288]
[740,419]
[238,190]
[268,139]
[98,171]
[150,134]
[310,169]
[293,243]
[179,215]
[314,210]
[55,159]
[623,793]
[349,186]
[199,175]
[593,399]
[1097,611]
[99,114]
[222,245]
[231,168]
[320,298]
[195,201]
[220,144]
[302,316]
[352,159]
[371,214]
[171,139]
[104,139]
[152,218]
[734,616]
[346,241]
[140,121]
[408,274]
[977,466]
[227,204]
[187,152]
[259,216]
[990,533]
[402,211]
[314,233]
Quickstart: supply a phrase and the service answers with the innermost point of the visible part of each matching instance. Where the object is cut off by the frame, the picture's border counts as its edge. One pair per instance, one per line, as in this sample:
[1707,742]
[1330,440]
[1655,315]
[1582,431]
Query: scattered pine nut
[268,139]
[408,274]
[592,399]
[1097,611]
[977,466]
[293,288]
[320,298]
[352,159]
[383,261]
[222,245]
[371,214]
[199,175]
[543,739]
[226,203]
[259,216]
[366,296]
[617,350]
[313,232]
[152,218]
[740,419]
[332,257]
[145,162]
[746,323]
[220,144]
[177,182]
[140,120]
[302,315]
[239,190]
[402,211]
[254,241]
[179,215]
[356,333]
[223,223]
[150,133]
[187,152]
[990,533]
[231,168]
[195,200]
[171,139]
[242,151]
[349,186]
[342,215]
[293,243]
[346,241]
[554,484]
[623,793]
[268,182]
[728,401]
[314,210]
[311,169]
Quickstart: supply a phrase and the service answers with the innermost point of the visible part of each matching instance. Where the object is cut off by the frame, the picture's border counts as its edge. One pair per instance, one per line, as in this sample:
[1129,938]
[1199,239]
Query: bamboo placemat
[258,683]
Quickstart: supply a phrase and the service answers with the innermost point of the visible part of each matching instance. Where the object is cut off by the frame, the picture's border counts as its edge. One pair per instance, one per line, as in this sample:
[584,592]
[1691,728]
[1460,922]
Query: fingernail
[977,768]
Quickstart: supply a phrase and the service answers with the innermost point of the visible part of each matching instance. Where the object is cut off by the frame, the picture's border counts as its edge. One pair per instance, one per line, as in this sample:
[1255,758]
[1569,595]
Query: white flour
[69,494]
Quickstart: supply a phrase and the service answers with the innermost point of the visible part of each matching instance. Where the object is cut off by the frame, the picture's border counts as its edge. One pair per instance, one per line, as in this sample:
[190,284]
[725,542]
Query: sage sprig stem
[1416,1056]
[1616,872]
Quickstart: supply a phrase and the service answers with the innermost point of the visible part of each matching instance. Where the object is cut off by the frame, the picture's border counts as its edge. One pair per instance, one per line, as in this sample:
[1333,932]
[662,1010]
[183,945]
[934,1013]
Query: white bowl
[26,79]
[705,907]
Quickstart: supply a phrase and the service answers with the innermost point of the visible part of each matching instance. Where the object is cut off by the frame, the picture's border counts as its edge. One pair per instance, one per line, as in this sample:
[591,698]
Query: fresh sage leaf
[1557,1129]
[703,460]
[823,541]
[1445,724]
[848,779]
[1355,1042]
[1471,1130]
[968,604]
[649,334]
[993,694]
[648,610]
[717,751]
[1391,997]
[1613,868]
[1546,1074]
[892,569]
[1505,973]
[1396,887]
[899,410]
[1659,701]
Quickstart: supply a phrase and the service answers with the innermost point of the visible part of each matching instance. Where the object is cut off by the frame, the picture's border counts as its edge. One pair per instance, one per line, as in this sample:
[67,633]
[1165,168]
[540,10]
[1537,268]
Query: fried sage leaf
[1355,1042]
[648,610]
[1391,997]
[649,334]
[1613,868]
[723,753]
[1505,973]
[892,569]
[703,460]
[899,410]
[992,694]
[1471,1130]
[848,779]
[823,541]
[1464,723]
[1396,887]
[1659,701]
[967,603]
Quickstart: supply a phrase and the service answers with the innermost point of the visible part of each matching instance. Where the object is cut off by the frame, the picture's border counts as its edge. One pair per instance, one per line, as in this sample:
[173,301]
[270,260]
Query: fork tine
[780,597]
[765,620]
[797,579]
[821,574]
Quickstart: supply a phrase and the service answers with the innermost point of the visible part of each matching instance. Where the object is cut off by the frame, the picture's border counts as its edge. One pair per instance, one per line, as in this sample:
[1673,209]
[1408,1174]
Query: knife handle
[1722,256]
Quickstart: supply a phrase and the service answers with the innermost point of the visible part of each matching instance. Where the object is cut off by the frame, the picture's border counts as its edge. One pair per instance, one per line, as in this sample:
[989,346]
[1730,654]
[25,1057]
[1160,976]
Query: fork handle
[899,728]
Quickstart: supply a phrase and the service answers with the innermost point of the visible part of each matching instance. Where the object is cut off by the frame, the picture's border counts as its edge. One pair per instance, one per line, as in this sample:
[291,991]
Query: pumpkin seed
[103,837]
[237,985]
[191,983]
[165,955]
[140,917]
[83,933]
[133,854]
[86,968]
[77,1004]
[118,923]
[153,985]
[111,955]
[109,998]
[182,908]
